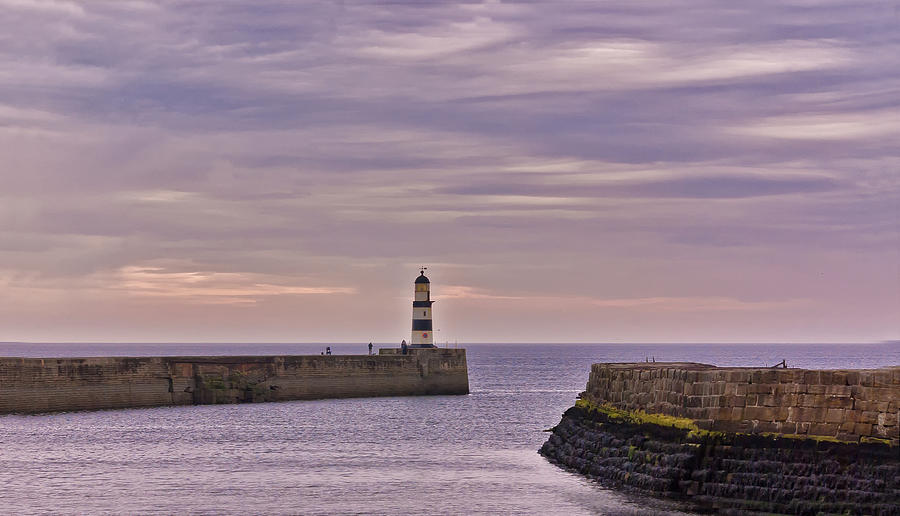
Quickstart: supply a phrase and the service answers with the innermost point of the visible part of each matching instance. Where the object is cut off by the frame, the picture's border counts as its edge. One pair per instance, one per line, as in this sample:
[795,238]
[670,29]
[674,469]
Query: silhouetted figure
[403,346]
[328,350]
[370,348]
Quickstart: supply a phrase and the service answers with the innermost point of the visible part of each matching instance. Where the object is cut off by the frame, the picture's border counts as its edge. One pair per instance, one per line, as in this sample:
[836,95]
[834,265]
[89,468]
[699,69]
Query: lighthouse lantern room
[422,336]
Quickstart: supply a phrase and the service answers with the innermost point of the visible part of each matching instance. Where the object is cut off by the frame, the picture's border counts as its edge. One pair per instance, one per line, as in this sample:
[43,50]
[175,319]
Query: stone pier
[32,385]
[739,440]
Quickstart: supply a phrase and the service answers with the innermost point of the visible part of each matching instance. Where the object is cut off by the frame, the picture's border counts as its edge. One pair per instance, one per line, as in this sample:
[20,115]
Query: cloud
[209,286]
[828,126]
[434,42]
[697,304]
[69,8]
[683,154]
[721,186]
[643,304]
[467,292]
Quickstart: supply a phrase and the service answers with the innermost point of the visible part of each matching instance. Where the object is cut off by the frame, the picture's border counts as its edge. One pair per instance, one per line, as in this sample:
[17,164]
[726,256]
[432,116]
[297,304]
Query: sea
[474,454]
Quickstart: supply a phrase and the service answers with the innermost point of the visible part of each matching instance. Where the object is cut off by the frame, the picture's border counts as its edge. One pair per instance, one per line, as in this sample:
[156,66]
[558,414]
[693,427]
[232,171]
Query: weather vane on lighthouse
[422,336]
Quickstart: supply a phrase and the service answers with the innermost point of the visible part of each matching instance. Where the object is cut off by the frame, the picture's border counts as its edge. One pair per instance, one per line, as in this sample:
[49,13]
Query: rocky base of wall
[729,473]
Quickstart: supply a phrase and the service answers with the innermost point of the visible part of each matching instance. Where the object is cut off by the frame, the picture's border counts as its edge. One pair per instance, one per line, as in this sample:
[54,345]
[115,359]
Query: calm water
[426,455]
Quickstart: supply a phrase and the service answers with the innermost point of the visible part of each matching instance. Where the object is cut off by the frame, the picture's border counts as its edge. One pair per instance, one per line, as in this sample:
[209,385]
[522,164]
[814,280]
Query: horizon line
[528,343]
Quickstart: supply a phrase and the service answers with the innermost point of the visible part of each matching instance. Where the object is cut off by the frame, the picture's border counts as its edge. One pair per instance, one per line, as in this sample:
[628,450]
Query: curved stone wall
[739,440]
[847,405]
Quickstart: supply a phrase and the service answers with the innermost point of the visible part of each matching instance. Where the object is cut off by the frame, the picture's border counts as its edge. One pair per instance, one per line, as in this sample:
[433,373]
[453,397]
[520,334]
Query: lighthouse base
[442,370]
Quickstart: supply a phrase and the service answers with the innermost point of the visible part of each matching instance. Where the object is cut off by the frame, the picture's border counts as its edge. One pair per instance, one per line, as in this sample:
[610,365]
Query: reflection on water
[424,455]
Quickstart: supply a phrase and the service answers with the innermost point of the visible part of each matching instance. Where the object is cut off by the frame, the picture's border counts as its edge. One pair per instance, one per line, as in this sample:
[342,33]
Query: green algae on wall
[640,417]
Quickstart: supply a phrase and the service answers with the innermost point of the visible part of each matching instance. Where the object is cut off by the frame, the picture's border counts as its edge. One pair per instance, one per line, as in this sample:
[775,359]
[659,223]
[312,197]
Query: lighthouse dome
[422,278]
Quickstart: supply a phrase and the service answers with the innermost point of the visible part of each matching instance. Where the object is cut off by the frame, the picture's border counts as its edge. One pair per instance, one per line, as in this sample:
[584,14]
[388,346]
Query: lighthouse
[422,336]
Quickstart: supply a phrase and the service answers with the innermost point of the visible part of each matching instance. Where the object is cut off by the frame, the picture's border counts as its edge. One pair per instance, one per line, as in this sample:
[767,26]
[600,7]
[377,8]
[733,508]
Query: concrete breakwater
[32,385]
[739,440]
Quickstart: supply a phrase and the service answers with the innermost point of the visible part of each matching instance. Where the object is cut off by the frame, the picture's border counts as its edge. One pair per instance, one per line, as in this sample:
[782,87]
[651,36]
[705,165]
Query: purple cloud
[636,150]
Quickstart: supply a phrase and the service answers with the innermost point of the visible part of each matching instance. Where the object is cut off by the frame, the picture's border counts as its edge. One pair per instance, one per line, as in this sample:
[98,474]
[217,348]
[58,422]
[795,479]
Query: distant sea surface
[474,454]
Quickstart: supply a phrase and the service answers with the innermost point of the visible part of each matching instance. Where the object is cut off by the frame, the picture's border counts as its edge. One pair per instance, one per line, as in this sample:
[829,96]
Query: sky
[569,171]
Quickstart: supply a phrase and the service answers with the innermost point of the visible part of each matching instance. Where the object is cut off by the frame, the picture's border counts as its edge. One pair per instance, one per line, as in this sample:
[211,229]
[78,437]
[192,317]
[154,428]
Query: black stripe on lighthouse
[421,325]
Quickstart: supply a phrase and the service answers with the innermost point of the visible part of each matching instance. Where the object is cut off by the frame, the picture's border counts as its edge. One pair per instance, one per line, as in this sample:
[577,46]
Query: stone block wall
[31,385]
[848,405]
